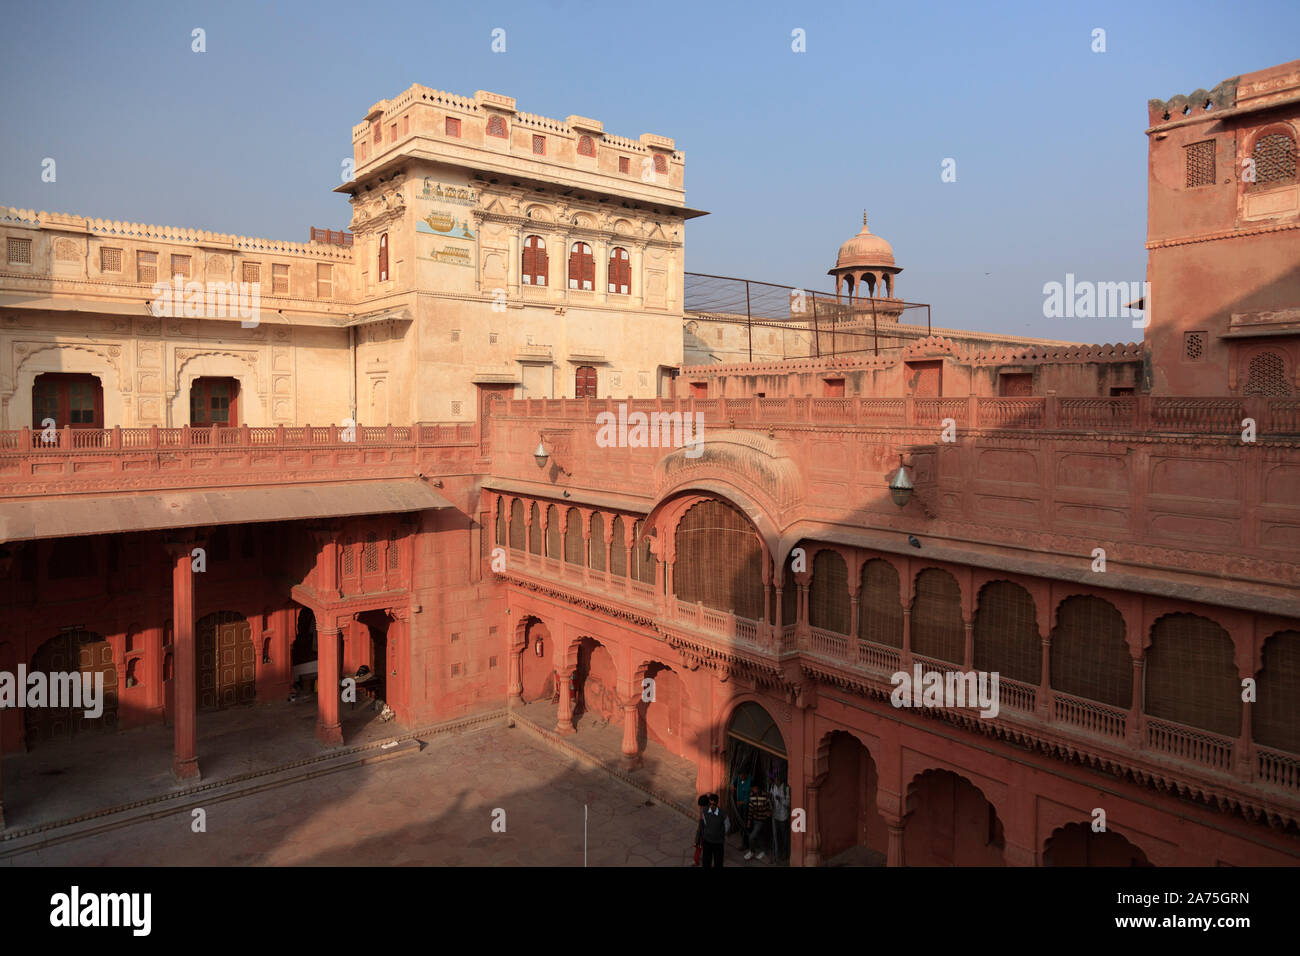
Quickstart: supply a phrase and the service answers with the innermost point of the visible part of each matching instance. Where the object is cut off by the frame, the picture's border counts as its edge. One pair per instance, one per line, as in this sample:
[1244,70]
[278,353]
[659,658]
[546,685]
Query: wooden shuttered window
[620,271]
[880,610]
[535,264]
[828,594]
[719,560]
[938,630]
[1191,677]
[1090,657]
[582,267]
[1006,633]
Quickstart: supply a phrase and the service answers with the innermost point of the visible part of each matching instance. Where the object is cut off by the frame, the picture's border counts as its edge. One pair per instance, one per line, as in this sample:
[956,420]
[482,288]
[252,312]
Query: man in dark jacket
[713,832]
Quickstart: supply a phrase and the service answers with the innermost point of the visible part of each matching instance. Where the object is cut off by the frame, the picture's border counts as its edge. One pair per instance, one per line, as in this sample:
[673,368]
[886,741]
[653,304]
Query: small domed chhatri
[865,266]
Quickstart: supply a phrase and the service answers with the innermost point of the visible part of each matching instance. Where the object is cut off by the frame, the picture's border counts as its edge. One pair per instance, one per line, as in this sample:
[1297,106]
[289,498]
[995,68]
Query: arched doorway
[595,683]
[302,653]
[851,829]
[950,823]
[536,675]
[663,718]
[72,652]
[756,750]
[1075,844]
[226,661]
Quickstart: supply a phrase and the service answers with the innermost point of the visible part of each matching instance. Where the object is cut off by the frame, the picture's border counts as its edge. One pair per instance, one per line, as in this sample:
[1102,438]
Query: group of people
[764,812]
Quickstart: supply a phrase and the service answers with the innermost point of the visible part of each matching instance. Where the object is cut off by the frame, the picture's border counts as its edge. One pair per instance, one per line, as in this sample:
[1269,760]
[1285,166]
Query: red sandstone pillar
[894,848]
[1244,758]
[328,729]
[1135,709]
[907,639]
[968,655]
[813,838]
[515,687]
[1044,683]
[564,717]
[631,732]
[185,761]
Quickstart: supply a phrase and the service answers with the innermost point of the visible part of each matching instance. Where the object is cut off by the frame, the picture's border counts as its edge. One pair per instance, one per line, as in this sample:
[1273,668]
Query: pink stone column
[907,639]
[968,655]
[1044,682]
[1243,750]
[813,838]
[1135,709]
[515,688]
[185,761]
[894,848]
[564,717]
[329,730]
[631,732]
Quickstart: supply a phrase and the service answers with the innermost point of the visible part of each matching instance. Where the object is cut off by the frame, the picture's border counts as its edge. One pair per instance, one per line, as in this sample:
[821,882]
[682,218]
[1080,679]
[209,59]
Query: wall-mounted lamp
[540,455]
[900,485]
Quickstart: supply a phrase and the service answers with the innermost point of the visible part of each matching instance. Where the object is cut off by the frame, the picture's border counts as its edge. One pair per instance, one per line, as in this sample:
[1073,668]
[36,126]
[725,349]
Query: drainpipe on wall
[352,382]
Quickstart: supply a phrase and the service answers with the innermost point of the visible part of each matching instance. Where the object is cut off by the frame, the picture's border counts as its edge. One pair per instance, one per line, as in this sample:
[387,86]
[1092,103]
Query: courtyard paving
[434,807]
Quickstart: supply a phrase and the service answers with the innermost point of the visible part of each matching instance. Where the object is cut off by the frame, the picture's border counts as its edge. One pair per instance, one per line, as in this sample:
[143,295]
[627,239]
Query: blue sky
[783,149]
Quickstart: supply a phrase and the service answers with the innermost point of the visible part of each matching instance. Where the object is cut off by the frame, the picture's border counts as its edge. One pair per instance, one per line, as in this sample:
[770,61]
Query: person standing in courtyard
[740,796]
[713,832]
[760,821]
[780,821]
[703,804]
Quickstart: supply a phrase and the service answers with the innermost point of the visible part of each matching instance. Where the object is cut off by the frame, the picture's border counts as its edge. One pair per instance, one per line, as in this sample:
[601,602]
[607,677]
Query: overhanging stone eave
[30,519]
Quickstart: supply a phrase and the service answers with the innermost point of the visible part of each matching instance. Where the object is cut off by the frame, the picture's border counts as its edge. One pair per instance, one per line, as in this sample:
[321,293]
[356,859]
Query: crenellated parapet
[1222,97]
[64,222]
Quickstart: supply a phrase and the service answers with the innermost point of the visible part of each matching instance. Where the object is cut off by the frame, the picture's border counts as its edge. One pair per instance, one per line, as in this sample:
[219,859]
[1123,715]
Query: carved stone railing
[1140,414]
[38,462]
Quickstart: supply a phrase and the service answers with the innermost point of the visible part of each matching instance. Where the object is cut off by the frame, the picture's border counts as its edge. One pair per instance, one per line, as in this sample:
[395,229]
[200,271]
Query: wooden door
[584,382]
[227,671]
[72,652]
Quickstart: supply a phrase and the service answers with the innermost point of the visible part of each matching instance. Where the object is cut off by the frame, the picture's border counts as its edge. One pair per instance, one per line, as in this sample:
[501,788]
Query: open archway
[595,683]
[851,829]
[950,823]
[1076,844]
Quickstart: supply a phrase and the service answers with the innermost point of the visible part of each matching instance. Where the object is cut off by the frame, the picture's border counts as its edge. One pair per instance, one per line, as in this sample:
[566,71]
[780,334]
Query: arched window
[642,559]
[596,552]
[517,525]
[383,258]
[719,560]
[617,548]
[1006,633]
[620,271]
[535,264]
[552,532]
[938,630]
[1191,677]
[880,611]
[1266,375]
[1275,717]
[582,267]
[501,521]
[535,539]
[661,163]
[573,543]
[586,146]
[1275,159]
[496,126]
[828,594]
[1089,655]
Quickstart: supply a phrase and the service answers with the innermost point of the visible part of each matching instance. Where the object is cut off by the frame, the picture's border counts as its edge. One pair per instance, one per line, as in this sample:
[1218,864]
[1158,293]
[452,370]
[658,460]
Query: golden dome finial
[864,218]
